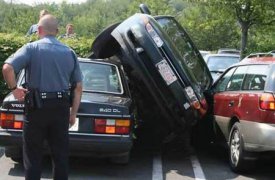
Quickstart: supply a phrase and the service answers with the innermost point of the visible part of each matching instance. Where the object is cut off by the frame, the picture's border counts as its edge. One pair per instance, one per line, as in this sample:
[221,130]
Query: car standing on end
[167,73]
[104,124]
[243,105]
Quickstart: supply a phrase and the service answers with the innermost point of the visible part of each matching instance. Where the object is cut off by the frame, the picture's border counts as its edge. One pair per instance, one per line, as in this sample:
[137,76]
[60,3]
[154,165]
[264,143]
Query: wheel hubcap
[235,147]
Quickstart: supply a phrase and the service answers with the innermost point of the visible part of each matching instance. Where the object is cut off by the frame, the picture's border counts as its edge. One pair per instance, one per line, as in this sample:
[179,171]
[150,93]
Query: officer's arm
[9,75]
[77,98]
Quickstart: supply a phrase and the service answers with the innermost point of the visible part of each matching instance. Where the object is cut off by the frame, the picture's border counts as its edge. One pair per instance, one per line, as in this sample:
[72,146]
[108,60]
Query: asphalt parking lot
[152,164]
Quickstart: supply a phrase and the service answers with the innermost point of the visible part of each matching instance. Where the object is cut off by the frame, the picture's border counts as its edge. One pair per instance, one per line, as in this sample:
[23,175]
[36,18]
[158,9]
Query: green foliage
[212,24]
[248,13]
[210,31]
[81,46]
[10,43]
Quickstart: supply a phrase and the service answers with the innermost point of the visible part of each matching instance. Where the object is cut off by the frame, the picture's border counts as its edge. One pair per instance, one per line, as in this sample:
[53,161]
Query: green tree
[249,13]
[210,27]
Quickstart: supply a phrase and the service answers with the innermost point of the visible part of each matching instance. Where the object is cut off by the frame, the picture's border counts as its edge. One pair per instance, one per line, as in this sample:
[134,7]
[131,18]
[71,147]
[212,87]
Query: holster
[32,100]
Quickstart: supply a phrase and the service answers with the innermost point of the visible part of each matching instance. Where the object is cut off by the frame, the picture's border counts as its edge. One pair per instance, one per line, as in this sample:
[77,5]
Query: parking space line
[157,173]
[2,151]
[198,172]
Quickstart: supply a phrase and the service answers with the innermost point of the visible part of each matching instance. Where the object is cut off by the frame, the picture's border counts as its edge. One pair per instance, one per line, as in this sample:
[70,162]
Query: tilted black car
[104,120]
[166,71]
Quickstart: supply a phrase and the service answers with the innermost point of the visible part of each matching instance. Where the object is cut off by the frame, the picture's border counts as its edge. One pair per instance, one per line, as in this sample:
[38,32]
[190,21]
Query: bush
[10,43]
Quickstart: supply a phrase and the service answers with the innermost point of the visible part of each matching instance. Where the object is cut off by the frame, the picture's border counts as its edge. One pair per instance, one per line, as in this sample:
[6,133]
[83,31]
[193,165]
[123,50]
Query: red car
[244,109]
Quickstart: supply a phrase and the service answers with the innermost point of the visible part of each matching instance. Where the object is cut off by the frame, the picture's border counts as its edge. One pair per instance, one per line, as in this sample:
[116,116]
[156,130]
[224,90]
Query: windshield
[220,63]
[185,54]
[99,77]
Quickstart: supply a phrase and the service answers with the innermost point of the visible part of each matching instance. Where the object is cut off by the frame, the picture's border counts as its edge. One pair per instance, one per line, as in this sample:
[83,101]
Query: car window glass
[255,77]
[221,85]
[100,78]
[186,56]
[220,63]
[236,81]
[21,77]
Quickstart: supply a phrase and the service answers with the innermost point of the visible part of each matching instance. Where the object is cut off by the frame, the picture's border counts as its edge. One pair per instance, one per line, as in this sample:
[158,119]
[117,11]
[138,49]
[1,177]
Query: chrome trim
[101,135]
[73,133]
[100,115]
[10,130]
[11,110]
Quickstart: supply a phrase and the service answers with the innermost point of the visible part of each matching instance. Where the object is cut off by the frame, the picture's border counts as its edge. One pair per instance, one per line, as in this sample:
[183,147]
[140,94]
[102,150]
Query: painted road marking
[2,151]
[198,172]
[157,168]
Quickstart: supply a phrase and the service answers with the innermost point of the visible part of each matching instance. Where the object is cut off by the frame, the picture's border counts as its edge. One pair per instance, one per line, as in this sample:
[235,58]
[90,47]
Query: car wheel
[122,159]
[15,153]
[237,153]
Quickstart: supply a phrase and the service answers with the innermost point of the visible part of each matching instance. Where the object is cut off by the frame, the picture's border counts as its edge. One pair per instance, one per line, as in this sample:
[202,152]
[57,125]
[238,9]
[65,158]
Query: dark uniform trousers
[49,123]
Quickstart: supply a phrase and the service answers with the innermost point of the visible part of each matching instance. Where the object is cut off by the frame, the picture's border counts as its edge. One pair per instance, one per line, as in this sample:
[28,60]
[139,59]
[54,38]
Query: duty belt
[55,95]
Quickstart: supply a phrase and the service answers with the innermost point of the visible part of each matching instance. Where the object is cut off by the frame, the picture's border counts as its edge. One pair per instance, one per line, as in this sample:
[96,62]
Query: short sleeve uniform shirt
[51,66]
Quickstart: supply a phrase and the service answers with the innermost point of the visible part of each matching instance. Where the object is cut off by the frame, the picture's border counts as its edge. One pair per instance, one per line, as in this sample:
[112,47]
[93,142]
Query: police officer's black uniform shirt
[49,63]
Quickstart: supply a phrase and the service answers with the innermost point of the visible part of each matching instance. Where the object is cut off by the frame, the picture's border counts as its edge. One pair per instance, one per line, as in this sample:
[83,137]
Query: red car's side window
[255,78]
[222,84]
[235,83]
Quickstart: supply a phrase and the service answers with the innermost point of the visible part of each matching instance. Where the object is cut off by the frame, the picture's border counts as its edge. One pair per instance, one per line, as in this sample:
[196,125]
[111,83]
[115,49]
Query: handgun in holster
[33,100]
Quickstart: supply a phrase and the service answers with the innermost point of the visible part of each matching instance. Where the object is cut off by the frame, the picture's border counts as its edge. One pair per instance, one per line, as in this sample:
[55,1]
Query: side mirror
[144,9]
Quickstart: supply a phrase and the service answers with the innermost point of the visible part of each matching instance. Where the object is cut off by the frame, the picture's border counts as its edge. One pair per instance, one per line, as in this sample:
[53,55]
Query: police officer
[50,68]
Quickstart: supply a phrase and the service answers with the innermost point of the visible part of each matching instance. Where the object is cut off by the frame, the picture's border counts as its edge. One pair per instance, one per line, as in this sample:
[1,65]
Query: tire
[237,154]
[15,153]
[122,159]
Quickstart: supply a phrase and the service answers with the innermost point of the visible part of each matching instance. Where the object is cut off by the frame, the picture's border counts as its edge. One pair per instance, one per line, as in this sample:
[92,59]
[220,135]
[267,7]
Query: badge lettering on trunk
[109,110]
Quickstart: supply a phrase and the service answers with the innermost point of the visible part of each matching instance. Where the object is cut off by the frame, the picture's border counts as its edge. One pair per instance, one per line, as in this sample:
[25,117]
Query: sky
[35,2]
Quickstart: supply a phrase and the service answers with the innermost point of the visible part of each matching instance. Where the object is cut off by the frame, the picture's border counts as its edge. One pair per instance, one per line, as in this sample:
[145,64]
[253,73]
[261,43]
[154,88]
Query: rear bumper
[80,145]
[258,137]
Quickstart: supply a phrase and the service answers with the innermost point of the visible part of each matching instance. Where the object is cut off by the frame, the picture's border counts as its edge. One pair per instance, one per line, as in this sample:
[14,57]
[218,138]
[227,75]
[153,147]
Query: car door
[227,97]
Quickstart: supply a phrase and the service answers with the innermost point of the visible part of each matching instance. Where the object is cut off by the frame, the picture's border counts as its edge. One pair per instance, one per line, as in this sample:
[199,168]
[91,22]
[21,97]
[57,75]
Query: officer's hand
[72,119]
[19,93]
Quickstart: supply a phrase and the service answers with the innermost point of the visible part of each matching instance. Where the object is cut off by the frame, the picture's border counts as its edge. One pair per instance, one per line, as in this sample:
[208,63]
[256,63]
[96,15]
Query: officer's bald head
[48,25]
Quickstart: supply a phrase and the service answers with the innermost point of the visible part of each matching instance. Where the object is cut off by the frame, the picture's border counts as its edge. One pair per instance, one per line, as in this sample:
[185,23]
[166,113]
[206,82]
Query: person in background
[33,28]
[69,32]
[51,67]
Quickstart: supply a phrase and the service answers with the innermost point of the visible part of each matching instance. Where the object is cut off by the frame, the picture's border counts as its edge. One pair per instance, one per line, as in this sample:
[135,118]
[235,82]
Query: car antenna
[144,9]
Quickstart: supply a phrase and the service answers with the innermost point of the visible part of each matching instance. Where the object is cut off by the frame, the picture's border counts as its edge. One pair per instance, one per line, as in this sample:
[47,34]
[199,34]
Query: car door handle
[231,103]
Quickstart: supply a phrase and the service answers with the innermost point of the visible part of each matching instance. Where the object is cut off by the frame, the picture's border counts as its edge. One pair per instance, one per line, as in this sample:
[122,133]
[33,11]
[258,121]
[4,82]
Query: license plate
[75,126]
[166,72]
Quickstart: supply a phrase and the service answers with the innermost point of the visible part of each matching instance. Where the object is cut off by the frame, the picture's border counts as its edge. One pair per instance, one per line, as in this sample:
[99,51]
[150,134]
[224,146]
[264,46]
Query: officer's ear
[40,30]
